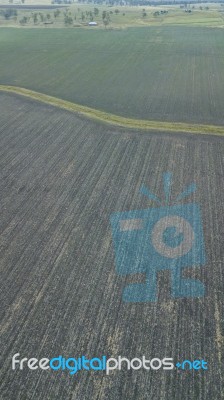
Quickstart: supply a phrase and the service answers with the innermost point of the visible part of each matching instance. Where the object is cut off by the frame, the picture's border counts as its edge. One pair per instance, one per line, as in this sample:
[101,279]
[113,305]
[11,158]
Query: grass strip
[176,127]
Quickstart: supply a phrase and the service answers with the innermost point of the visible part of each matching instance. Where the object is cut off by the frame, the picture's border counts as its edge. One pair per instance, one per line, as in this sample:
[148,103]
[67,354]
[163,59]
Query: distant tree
[68,20]
[105,22]
[48,16]
[57,13]
[41,17]
[105,18]
[23,21]
[96,11]
[83,16]
[35,18]
[144,14]
[9,13]
[116,11]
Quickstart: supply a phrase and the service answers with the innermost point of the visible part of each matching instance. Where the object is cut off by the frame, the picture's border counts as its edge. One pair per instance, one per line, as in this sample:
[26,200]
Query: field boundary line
[112,119]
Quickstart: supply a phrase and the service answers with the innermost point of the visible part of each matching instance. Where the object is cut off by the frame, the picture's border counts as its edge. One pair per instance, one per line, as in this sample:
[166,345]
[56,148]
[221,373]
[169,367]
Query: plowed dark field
[61,178]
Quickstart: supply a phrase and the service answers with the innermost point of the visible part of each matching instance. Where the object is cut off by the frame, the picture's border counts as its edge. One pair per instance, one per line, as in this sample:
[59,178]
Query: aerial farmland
[91,120]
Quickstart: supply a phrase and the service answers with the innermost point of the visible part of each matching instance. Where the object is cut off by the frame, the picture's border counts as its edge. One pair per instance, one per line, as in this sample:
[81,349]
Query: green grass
[115,119]
[162,73]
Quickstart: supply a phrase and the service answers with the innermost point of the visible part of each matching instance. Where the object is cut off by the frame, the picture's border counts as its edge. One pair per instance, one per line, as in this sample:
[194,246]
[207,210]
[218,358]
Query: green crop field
[167,73]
